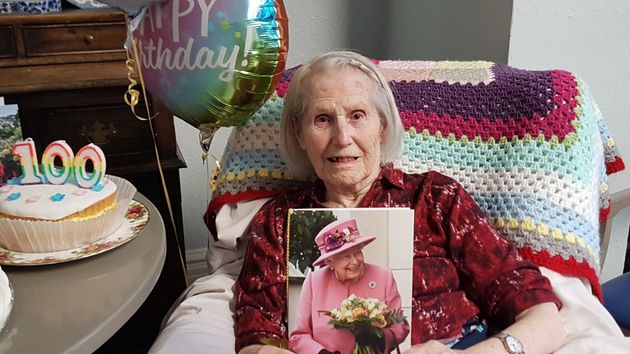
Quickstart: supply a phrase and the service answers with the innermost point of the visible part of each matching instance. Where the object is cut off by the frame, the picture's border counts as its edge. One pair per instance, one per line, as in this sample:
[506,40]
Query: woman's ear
[383,129]
[297,131]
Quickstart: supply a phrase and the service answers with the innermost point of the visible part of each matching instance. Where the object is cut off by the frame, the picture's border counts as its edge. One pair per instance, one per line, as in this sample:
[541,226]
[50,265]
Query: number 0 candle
[95,154]
[64,152]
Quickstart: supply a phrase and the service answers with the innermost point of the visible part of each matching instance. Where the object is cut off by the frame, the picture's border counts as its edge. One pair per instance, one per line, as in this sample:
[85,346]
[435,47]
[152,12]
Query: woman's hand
[539,321]
[430,347]
[263,349]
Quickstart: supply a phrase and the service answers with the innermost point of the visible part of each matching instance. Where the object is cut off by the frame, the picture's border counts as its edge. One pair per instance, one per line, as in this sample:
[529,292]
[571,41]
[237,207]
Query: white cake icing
[36,236]
[39,201]
[6,298]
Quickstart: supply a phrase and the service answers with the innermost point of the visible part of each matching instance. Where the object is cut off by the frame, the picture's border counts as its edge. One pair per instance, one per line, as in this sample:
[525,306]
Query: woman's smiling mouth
[342,159]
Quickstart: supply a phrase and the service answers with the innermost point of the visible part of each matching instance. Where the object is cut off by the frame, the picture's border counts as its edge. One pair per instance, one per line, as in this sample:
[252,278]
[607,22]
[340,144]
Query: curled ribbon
[132,96]
[214,181]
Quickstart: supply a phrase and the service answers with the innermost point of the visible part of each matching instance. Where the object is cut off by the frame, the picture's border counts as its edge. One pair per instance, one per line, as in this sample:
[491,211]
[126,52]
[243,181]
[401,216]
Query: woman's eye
[357,116]
[322,121]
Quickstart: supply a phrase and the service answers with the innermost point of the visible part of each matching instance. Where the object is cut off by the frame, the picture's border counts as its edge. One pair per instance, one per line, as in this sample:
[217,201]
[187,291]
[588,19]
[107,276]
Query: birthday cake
[64,202]
[61,205]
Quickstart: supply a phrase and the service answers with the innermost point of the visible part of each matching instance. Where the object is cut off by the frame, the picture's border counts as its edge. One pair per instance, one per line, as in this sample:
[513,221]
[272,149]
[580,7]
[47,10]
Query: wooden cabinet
[67,73]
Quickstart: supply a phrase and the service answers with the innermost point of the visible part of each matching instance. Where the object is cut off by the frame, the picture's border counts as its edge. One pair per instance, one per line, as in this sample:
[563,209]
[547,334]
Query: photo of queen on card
[344,291]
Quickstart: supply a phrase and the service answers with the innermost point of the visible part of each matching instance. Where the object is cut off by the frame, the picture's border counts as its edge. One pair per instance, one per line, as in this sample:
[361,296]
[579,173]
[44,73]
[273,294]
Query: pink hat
[337,237]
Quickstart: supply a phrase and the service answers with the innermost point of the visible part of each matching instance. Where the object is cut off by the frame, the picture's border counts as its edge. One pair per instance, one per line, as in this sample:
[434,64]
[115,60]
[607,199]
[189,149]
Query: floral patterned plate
[136,219]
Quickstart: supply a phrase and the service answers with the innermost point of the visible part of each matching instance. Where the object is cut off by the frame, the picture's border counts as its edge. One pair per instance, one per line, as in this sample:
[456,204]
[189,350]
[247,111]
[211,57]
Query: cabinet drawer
[111,127]
[99,115]
[74,38]
[7,42]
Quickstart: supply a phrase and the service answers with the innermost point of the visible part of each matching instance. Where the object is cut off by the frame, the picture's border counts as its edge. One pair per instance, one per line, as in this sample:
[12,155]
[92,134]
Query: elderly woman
[341,123]
[345,273]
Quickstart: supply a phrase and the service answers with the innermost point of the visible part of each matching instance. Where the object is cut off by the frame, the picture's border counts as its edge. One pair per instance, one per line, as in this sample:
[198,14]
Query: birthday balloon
[212,62]
[131,7]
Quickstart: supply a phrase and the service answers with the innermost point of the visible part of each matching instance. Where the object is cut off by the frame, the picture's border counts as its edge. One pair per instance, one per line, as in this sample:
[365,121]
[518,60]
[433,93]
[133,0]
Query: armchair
[616,286]
[530,146]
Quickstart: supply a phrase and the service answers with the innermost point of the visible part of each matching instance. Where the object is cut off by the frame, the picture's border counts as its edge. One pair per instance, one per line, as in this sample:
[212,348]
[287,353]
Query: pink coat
[321,291]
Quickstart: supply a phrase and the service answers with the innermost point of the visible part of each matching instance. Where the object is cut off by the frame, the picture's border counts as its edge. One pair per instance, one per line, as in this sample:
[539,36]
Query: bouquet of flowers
[365,318]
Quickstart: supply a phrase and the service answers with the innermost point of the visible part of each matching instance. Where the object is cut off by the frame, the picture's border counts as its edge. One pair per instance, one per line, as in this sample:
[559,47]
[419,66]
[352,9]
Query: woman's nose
[343,132]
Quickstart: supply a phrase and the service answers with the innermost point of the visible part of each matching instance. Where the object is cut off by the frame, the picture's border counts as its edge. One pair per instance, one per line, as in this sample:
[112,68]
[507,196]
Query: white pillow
[232,222]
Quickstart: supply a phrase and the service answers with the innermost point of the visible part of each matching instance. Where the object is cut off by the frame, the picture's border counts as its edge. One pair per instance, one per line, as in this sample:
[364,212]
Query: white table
[77,306]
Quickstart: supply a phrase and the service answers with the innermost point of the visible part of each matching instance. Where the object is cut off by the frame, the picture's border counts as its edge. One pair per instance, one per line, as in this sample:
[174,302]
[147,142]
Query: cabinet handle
[89,38]
[98,133]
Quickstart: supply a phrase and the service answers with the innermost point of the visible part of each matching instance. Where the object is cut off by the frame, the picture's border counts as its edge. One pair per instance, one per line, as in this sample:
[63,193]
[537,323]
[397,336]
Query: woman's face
[342,132]
[348,266]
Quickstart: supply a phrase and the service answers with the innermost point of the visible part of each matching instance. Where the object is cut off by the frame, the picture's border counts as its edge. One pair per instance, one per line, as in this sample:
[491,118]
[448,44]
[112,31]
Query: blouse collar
[388,174]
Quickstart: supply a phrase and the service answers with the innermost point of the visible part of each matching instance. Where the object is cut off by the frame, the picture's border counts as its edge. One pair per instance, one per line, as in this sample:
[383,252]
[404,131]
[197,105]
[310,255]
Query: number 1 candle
[25,150]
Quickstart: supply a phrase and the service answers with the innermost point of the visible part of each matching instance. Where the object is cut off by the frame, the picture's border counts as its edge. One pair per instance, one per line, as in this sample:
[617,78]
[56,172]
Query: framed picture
[385,240]
[10,133]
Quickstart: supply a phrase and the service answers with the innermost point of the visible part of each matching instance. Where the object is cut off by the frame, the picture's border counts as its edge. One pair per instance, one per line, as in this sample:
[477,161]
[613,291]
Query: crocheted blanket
[531,147]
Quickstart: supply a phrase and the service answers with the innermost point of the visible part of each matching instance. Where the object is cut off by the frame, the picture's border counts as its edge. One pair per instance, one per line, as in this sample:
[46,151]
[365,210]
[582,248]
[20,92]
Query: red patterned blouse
[462,266]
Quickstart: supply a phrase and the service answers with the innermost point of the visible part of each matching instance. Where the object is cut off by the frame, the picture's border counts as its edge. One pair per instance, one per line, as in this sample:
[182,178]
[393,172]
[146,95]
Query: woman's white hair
[297,99]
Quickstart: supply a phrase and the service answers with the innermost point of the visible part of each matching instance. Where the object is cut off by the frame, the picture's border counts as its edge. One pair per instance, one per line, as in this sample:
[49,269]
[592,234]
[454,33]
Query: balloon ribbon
[131,99]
